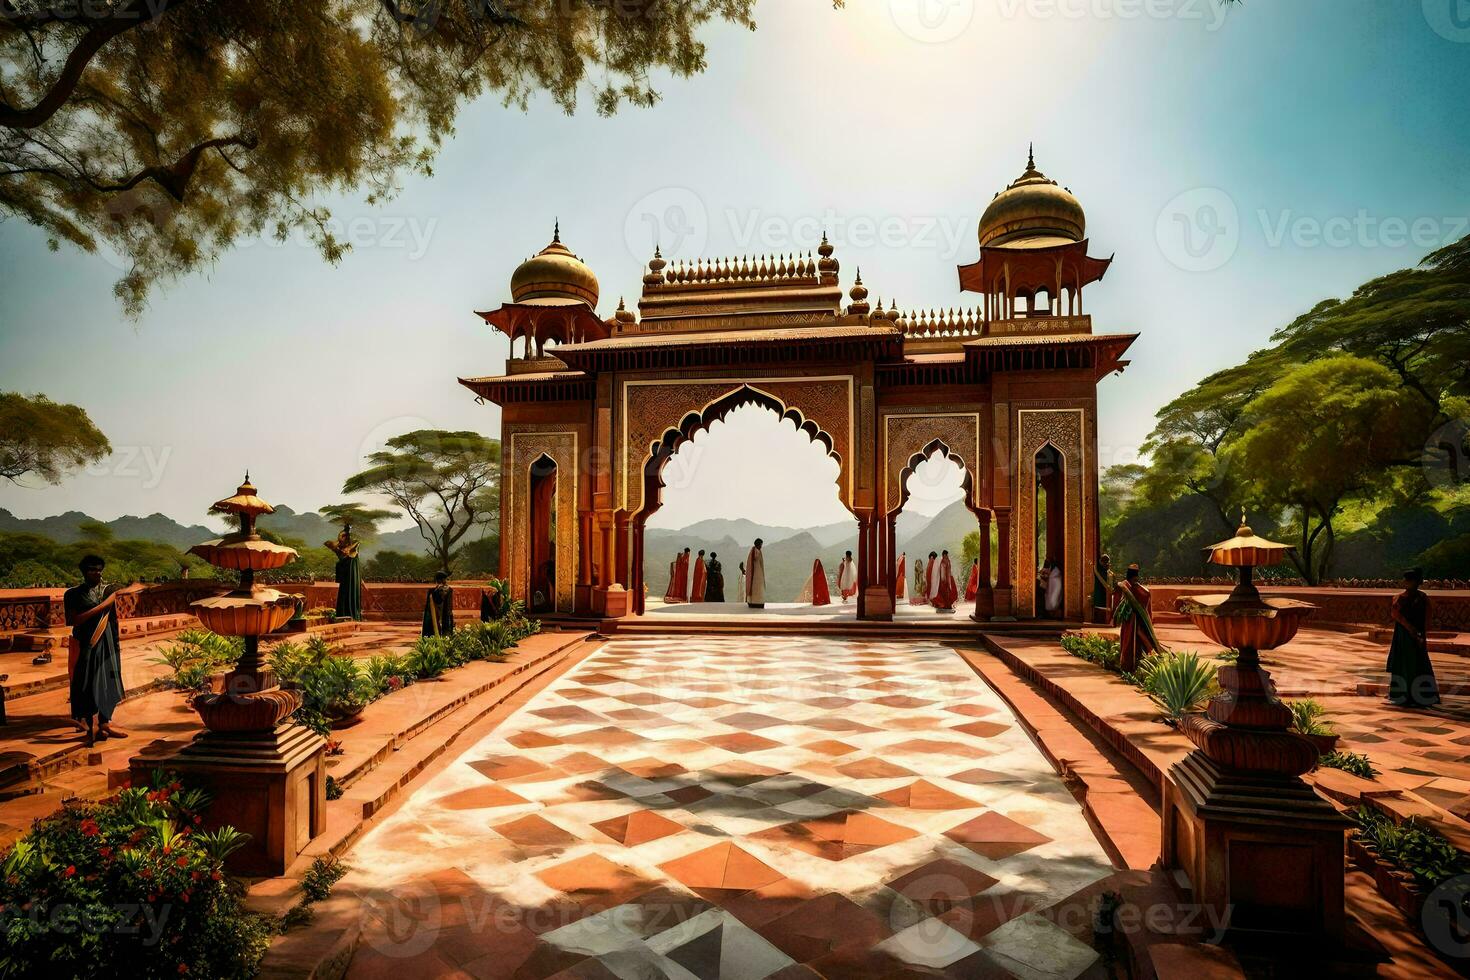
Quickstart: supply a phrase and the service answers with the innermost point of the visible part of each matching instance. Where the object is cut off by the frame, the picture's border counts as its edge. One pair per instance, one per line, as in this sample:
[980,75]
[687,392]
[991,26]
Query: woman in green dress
[1411,682]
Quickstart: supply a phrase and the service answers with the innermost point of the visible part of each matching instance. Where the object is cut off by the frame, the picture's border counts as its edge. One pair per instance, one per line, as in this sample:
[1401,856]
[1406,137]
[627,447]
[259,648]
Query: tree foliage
[167,130]
[363,520]
[46,439]
[448,482]
[1357,414]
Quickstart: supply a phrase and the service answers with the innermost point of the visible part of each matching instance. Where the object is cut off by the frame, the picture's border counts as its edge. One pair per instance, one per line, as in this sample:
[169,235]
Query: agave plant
[1307,717]
[1179,683]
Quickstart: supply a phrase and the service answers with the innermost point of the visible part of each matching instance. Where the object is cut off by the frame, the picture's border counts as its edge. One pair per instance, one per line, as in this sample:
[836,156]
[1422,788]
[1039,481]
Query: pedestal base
[1004,610]
[1262,848]
[877,605]
[984,605]
[271,785]
[612,602]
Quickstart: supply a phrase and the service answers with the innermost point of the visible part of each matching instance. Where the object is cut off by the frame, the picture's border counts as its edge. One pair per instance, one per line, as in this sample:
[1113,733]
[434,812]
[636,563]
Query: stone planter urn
[1252,838]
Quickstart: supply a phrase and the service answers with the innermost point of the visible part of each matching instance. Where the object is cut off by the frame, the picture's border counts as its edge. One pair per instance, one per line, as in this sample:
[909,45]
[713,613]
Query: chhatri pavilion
[594,407]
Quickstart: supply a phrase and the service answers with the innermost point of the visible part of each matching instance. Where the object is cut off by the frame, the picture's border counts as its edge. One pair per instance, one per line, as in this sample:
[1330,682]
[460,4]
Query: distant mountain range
[789,552]
[310,527]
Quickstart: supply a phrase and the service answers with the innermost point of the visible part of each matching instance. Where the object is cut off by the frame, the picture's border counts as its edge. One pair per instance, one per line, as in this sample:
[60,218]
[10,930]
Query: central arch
[661,451]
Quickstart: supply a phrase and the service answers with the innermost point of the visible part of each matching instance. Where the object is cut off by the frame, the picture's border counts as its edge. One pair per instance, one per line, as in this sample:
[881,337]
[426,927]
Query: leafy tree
[1325,430]
[364,520]
[45,438]
[168,131]
[448,482]
[481,557]
[399,566]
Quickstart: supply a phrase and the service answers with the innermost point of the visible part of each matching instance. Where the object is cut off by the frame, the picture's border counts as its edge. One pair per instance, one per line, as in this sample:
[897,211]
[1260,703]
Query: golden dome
[1033,212]
[554,273]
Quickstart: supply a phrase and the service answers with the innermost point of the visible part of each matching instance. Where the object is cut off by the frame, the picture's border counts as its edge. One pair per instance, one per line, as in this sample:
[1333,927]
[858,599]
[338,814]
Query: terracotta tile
[980,777]
[821,925]
[638,827]
[480,798]
[650,768]
[995,835]
[934,746]
[594,882]
[533,830]
[506,766]
[750,721]
[902,701]
[982,729]
[570,713]
[871,768]
[603,736]
[924,795]
[723,866]
[741,742]
[940,885]
[830,746]
[973,710]
[532,740]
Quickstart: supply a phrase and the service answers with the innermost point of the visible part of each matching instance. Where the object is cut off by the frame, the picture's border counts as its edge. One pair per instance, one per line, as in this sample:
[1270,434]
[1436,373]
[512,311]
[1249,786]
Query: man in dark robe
[1102,589]
[96,683]
[1411,682]
[439,607]
[492,604]
[1136,638]
[714,580]
[349,578]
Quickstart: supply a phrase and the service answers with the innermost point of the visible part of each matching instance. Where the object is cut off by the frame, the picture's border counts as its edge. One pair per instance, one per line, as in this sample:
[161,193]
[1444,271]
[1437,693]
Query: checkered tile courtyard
[736,808]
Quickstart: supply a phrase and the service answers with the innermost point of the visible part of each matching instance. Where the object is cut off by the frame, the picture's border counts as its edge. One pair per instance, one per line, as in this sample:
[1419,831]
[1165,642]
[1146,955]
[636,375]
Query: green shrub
[196,655]
[318,880]
[127,887]
[387,673]
[1354,763]
[1178,682]
[332,686]
[429,657]
[478,641]
[1412,846]
[1094,648]
[1307,717]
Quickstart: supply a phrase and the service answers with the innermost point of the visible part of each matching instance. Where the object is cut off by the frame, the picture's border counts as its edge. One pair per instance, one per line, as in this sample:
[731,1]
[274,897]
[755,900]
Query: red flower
[183,861]
[183,967]
[90,828]
[71,869]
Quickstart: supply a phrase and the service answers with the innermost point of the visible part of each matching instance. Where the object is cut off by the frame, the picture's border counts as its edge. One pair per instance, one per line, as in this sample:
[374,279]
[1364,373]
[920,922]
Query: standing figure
[1102,589]
[678,590]
[921,585]
[755,577]
[96,683]
[900,580]
[744,591]
[972,582]
[947,590]
[439,607]
[1137,638]
[1411,682]
[349,579]
[847,577]
[696,591]
[931,576]
[714,583]
[1053,588]
[815,590]
[492,604]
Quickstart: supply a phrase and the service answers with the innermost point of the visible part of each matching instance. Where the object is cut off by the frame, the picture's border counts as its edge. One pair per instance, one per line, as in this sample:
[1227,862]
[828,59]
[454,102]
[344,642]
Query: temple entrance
[936,516]
[743,469]
[543,535]
[1050,534]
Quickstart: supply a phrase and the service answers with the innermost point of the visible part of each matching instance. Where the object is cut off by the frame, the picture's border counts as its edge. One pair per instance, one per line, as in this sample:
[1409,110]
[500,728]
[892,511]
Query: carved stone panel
[1065,429]
[653,408]
[526,445]
[904,436]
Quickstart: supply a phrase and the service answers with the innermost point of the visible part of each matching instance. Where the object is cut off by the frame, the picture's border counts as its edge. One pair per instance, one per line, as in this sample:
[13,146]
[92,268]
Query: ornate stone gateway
[593,408]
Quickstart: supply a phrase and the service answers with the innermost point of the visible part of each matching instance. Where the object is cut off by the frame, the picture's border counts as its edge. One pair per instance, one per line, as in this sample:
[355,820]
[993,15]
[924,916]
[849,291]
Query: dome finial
[1030,156]
[556,234]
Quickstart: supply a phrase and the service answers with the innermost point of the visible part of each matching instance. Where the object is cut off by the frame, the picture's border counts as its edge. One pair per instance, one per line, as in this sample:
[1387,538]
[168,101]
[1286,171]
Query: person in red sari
[972,587]
[900,583]
[947,591]
[696,591]
[815,591]
[1131,612]
[678,578]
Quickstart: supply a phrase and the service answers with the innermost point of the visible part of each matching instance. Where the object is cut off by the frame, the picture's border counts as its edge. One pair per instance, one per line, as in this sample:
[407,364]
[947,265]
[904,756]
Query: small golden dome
[1033,212]
[554,273]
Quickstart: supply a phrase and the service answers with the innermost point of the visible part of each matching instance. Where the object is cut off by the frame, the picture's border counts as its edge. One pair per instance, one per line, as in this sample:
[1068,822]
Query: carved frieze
[906,435]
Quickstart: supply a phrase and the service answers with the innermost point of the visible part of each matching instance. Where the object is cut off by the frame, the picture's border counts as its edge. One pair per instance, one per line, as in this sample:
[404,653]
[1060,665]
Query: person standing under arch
[815,590]
[921,584]
[931,577]
[900,578]
[696,590]
[714,587]
[755,577]
[847,578]
[946,591]
[678,590]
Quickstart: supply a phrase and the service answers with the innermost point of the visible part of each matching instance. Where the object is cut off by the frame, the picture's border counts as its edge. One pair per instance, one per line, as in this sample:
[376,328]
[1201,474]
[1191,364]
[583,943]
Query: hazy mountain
[946,529]
[309,527]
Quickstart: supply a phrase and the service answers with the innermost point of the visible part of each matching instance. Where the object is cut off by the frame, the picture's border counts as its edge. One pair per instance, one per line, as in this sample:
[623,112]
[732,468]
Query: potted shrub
[1307,719]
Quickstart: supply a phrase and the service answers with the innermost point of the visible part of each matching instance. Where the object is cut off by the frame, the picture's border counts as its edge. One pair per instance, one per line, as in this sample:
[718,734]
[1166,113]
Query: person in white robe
[755,577]
[847,577]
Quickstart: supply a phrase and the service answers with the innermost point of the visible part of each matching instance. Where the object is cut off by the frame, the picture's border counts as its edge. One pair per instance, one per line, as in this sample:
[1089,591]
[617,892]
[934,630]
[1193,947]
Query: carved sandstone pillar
[1003,604]
[985,596]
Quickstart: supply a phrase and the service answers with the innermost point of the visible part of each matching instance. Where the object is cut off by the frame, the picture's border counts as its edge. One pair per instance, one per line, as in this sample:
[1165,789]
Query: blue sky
[1241,168]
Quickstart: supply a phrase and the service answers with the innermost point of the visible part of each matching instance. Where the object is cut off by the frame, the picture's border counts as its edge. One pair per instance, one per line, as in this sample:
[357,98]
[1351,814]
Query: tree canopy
[167,130]
[448,482]
[363,520]
[1356,413]
[46,439]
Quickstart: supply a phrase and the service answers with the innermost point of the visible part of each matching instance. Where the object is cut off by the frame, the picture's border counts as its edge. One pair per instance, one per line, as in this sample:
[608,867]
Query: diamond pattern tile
[739,809]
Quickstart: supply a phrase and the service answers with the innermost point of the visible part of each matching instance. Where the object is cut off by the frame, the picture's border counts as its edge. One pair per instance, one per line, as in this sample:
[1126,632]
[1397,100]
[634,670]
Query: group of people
[934,582]
[815,591]
[707,584]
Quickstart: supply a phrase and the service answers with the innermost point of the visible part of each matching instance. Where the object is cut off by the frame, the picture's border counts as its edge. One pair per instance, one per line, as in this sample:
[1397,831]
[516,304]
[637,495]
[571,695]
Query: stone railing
[38,611]
[1449,611]
[388,601]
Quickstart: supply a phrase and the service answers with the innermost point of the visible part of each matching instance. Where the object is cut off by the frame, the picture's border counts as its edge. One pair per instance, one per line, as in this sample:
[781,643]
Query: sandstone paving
[737,807]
